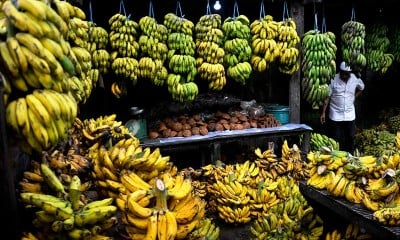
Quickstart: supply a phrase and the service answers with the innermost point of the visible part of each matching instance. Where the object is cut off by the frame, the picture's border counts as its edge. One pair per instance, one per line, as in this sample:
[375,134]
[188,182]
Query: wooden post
[297,14]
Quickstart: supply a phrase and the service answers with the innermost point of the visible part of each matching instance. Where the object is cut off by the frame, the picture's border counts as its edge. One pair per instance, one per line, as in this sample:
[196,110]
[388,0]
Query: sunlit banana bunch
[36,54]
[319,140]
[237,46]
[164,208]
[318,65]
[181,61]
[210,52]
[263,43]
[287,41]
[66,211]
[377,43]
[41,119]
[207,229]
[353,44]
[154,50]
[100,129]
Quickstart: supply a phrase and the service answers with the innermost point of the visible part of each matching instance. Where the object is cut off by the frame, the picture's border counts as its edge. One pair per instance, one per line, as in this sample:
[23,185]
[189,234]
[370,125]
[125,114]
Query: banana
[39,131]
[94,215]
[151,233]
[133,182]
[172,225]
[20,20]
[184,229]
[135,208]
[48,101]
[44,217]
[185,213]
[74,192]
[17,54]
[52,16]
[8,60]
[36,8]
[11,117]
[181,189]
[36,106]
[36,62]
[78,233]
[51,178]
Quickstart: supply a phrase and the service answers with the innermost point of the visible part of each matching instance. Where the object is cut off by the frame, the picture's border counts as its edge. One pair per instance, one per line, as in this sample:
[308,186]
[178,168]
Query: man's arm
[326,103]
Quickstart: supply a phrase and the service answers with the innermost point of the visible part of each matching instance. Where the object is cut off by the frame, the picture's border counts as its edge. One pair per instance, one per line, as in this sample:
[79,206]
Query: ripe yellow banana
[78,233]
[135,208]
[94,215]
[181,189]
[138,222]
[39,131]
[11,65]
[16,53]
[152,228]
[11,117]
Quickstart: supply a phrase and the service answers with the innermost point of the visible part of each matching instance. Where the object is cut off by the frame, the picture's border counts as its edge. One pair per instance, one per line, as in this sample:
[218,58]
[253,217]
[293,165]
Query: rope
[179,9]
[285,14]
[90,11]
[315,19]
[122,7]
[208,8]
[353,14]
[262,10]
[323,26]
[235,9]
[151,9]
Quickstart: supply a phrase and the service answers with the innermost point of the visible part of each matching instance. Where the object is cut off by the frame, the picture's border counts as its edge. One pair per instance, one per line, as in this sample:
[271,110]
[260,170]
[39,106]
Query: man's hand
[322,118]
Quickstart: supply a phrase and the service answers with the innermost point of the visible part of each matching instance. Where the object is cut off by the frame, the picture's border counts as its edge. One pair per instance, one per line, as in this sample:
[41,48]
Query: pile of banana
[291,218]
[376,142]
[206,229]
[180,59]
[41,119]
[210,52]
[65,210]
[165,209]
[318,65]
[376,48]
[319,140]
[353,45]
[393,48]
[97,45]
[352,231]
[154,50]
[263,43]
[394,123]
[123,36]
[287,40]
[237,47]
[36,53]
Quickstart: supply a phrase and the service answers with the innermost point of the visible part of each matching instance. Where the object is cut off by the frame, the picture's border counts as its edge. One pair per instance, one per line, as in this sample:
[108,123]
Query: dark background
[269,87]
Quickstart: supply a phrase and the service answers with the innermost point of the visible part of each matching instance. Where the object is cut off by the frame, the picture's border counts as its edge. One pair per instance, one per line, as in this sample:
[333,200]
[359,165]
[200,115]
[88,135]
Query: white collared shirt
[342,96]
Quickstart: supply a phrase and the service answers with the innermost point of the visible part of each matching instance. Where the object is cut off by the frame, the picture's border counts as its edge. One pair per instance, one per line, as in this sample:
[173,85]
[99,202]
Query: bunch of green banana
[372,141]
[39,57]
[97,45]
[318,65]
[353,45]
[206,229]
[394,123]
[154,49]
[181,58]
[210,52]
[42,118]
[287,41]
[395,48]
[376,48]
[237,46]
[263,43]
[319,140]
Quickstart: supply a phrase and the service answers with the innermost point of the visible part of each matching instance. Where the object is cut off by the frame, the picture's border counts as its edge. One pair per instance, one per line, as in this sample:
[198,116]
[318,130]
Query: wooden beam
[297,14]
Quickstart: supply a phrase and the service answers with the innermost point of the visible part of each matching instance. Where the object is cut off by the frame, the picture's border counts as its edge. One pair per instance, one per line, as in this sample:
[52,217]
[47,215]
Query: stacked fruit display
[237,46]
[318,65]
[287,40]
[154,50]
[263,43]
[368,180]
[210,52]
[353,45]
[123,36]
[181,60]
[376,48]
[376,142]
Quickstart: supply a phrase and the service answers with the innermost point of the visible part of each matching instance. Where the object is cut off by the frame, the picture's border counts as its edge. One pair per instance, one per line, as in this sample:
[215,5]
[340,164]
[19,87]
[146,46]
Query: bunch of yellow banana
[320,181]
[334,235]
[237,48]
[78,31]
[118,89]
[318,65]
[154,49]
[98,37]
[101,60]
[41,118]
[296,166]
[319,140]
[235,214]
[355,231]
[126,67]
[377,43]
[263,43]
[123,36]
[353,45]
[337,186]
[262,199]
[387,215]
[210,52]
[381,188]
[287,40]
[200,188]
[206,229]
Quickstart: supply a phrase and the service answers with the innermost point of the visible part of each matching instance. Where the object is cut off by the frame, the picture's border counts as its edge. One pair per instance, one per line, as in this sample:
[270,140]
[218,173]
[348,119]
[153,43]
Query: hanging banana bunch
[210,52]
[318,65]
[287,41]
[154,50]
[395,44]
[353,44]
[125,48]
[237,46]
[97,46]
[181,60]
[376,48]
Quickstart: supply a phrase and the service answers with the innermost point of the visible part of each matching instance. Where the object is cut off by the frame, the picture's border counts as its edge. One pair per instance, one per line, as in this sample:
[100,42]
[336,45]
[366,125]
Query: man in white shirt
[344,88]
